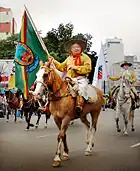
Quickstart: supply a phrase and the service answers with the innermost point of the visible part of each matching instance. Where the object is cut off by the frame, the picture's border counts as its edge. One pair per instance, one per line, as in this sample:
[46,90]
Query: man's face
[126,66]
[76,49]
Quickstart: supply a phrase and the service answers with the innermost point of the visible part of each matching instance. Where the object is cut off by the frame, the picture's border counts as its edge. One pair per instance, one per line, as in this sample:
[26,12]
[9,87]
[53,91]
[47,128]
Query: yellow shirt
[115,78]
[84,69]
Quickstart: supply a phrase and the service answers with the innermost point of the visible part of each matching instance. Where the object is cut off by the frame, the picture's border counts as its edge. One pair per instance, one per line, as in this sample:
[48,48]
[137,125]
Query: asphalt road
[33,150]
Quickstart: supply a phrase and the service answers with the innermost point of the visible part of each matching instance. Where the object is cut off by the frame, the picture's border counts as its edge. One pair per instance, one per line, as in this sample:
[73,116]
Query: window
[6,12]
[7,33]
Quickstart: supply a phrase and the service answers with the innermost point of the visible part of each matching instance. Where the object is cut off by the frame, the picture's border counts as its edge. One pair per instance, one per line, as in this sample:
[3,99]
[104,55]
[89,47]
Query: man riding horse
[77,66]
[130,75]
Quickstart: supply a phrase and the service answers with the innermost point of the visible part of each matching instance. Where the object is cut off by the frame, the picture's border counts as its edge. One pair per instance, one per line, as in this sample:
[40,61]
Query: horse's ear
[41,63]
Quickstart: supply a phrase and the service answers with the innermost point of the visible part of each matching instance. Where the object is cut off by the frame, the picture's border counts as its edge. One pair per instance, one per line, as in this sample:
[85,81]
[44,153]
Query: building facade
[8,25]
[113,51]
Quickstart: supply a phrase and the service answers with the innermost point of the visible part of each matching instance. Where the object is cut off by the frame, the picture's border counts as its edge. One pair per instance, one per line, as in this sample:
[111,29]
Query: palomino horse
[62,107]
[124,105]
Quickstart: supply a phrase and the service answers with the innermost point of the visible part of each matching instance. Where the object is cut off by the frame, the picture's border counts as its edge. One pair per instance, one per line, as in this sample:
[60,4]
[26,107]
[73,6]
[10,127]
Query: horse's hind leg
[92,131]
[132,121]
[87,124]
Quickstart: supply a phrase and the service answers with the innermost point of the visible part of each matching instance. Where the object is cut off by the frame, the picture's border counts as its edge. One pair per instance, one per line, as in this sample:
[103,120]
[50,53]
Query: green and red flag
[30,50]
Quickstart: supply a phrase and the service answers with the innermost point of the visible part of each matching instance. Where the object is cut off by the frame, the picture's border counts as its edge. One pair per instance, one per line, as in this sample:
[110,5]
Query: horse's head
[9,95]
[126,84]
[45,79]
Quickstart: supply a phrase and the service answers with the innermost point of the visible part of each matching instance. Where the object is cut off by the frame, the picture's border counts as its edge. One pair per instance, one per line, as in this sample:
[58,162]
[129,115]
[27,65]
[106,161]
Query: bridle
[52,95]
[122,99]
[12,100]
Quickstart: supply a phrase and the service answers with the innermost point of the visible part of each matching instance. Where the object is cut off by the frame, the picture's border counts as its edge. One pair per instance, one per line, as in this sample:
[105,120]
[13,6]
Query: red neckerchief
[77,59]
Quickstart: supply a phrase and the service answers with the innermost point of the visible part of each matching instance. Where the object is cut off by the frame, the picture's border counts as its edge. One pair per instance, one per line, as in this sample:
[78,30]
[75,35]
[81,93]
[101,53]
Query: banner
[30,50]
[100,73]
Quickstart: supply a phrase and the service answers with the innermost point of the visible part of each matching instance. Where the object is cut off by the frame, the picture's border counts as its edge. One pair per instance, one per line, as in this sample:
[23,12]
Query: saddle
[73,89]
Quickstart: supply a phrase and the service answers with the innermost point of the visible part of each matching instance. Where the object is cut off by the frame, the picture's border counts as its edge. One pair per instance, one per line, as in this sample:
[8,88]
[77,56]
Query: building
[130,58]
[6,69]
[7,23]
[116,69]
[113,51]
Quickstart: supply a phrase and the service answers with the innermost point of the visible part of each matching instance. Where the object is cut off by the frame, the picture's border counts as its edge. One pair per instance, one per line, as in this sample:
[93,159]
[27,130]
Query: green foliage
[7,47]
[54,40]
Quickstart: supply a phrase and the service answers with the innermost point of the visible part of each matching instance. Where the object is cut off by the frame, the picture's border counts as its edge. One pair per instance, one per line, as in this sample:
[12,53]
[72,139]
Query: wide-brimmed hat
[124,63]
[68,44]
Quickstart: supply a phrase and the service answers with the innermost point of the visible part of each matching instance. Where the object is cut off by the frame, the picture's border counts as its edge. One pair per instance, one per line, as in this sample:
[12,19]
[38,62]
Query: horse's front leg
[8,113]
[15,113]
[126,114]
[63,125]
[118,111]
[29,119]
[39,116]
[47,116]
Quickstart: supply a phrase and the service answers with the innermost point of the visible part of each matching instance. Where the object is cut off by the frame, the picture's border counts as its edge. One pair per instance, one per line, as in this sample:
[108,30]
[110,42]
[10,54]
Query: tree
[8,47]
[56,39]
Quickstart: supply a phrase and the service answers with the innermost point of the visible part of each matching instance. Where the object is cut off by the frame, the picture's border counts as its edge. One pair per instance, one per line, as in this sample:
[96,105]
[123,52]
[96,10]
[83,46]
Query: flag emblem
[100,72]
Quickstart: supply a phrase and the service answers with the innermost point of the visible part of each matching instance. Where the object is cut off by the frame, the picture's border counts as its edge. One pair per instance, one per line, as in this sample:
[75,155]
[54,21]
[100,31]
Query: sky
[100,18]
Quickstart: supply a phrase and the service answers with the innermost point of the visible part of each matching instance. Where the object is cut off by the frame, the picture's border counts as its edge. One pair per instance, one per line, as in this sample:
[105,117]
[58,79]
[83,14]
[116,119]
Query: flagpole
[37,33]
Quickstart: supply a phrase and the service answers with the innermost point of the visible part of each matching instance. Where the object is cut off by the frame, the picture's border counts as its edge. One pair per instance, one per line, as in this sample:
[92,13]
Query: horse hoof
[45,127]
[133,129]
[88,153]
[65,158]
[72,122]
[31,125]
[56,164]
[26,129]
[125,133]
[36,126]
[118,130]
[87,142]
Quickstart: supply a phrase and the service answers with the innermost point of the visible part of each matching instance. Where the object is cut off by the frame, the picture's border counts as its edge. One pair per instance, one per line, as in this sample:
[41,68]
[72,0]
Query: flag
[100,73]
[30,50]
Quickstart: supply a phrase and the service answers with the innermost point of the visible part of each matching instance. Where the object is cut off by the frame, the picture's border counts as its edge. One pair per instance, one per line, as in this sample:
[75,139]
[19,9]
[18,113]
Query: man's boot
[79,104]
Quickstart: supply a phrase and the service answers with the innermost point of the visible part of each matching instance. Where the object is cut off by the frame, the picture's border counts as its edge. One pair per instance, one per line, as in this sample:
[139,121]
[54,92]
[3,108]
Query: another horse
[62,107]
[13,104]
[124,105]
[29,107]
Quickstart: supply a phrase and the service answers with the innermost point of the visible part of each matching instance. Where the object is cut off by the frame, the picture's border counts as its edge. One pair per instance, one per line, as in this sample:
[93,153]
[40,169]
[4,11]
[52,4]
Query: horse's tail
[100,94]
[130,115]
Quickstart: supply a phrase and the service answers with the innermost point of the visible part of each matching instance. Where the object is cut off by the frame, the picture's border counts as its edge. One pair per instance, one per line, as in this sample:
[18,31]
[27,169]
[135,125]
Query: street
[33,150]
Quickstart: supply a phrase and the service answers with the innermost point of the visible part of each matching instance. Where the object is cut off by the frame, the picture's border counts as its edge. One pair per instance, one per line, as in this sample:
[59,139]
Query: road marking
[48,135]
[135,145]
